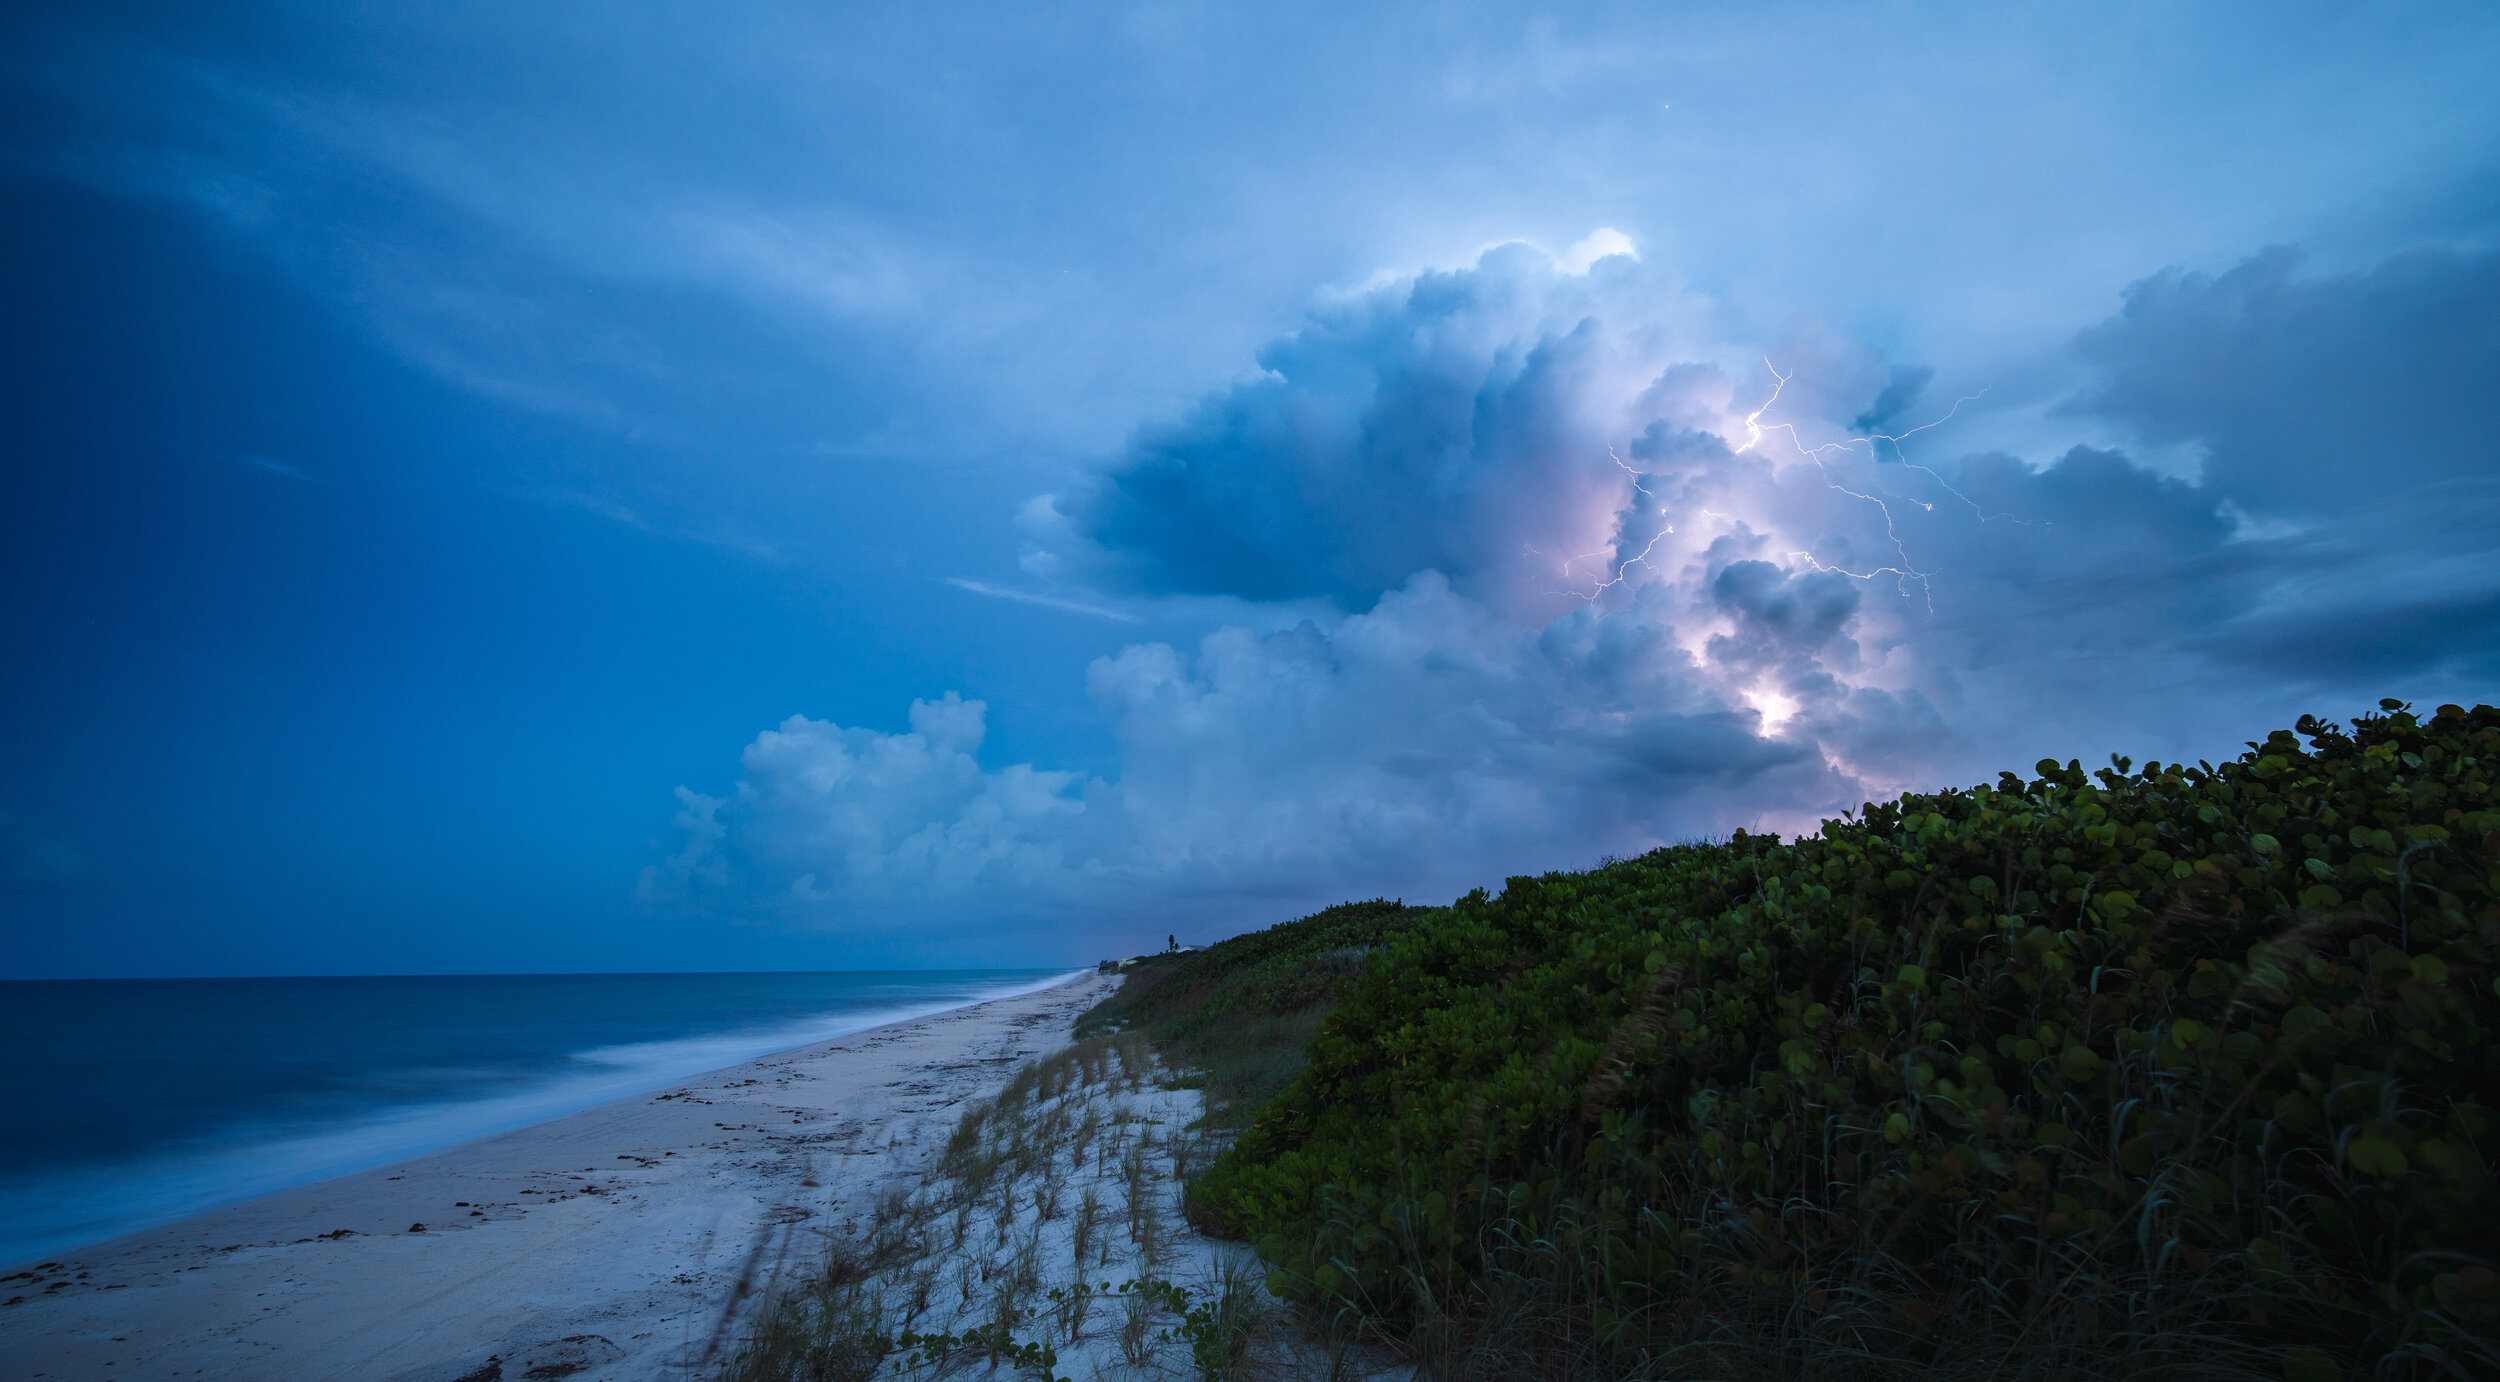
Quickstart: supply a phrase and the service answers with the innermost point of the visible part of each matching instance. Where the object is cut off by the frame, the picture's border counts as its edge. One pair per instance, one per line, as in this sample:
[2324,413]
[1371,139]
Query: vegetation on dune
[2122,1073]
[1041,1241]
[1239,1013]
[2191,1070]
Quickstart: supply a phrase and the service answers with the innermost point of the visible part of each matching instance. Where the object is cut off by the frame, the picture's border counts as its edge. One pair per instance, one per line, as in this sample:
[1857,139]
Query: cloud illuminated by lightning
[1908,570]
[1875,444]
[1623,569]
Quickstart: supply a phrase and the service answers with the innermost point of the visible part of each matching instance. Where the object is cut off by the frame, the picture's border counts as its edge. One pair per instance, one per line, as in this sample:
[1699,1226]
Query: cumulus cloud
[1602,243]
[823,811]
[1588,577]
[1421,746]
[1442,424]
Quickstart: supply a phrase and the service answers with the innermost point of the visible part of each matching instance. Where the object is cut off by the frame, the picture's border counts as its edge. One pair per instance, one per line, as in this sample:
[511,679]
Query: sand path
[614,1243]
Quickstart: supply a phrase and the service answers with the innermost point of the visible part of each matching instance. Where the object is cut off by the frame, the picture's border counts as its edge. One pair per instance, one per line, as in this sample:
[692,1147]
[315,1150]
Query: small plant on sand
[1003,1214]
[1075,1304]
[1138,1310]
[996,1259]
[829,1328]
[1081,1231]
[919,1291]
[994,1342]
[1222,1328]
[1138,1200]
[1024,1267]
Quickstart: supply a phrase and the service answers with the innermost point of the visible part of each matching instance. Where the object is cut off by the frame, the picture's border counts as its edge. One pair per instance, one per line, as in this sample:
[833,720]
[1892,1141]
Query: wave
[61,1211]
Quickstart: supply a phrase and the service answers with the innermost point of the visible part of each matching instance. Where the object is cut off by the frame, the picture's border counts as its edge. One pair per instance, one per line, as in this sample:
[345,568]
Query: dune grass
[1045,1242]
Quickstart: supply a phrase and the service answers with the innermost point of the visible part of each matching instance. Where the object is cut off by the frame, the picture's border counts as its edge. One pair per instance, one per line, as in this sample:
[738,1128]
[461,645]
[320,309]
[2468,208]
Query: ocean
[129,1103]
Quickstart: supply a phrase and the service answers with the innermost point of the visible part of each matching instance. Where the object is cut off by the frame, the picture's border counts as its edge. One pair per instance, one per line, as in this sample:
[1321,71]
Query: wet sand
[615,1243]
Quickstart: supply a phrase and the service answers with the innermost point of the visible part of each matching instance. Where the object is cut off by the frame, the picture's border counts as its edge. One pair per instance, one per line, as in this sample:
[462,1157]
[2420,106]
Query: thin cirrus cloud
[1042,599]
[1595,596]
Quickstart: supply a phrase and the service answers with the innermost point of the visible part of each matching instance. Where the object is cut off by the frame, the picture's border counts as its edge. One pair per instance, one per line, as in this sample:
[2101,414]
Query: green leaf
[2136,1154]
[2080,1063]
[2375,1156]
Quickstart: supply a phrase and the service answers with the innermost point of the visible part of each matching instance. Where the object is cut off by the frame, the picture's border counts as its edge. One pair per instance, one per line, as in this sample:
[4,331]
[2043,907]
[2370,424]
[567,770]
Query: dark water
[126,1103]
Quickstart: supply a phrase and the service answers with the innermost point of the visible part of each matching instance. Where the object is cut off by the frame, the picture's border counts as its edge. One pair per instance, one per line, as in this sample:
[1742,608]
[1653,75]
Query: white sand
[615,1243]
[1058,1218]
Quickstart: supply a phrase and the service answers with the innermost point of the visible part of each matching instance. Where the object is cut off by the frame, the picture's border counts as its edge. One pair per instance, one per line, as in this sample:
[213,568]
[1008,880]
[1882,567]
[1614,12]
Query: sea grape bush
[1280,970]
[2036,1045]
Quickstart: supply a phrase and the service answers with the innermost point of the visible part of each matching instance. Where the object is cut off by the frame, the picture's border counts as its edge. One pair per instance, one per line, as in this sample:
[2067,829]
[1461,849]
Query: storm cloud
[1555,573]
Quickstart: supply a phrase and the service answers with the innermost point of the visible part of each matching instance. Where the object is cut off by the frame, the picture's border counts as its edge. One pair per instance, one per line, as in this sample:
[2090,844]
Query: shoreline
[612,1242]
[76,1208]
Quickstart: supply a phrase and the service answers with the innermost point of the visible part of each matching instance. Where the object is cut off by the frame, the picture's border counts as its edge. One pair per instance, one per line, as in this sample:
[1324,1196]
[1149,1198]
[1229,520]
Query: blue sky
[605,486]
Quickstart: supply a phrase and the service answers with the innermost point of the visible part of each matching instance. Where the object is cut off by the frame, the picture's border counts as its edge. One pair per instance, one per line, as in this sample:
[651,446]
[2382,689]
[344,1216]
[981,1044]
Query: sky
[770,486]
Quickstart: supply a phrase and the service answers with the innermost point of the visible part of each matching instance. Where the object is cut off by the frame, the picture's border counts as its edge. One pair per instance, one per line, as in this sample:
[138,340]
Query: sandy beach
[614,1243]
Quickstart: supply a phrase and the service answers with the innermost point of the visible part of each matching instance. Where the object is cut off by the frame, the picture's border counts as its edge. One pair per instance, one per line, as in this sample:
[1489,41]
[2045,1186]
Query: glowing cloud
[1601,243]
[1569,577]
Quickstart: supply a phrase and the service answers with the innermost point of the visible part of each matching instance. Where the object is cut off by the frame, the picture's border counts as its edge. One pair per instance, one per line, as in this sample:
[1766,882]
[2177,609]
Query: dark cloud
[2455,638]
[2350,431]
[1908,384]
[1439,426]
[1778,615]
[2314,395]
[1603,596]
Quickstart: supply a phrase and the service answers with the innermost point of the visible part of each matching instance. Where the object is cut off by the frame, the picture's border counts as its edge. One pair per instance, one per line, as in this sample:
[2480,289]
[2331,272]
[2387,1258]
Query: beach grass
[1044,1241]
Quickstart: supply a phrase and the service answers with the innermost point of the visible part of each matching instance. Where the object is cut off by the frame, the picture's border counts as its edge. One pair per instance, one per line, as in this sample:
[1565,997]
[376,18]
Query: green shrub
[1286,969]
[2193,1043]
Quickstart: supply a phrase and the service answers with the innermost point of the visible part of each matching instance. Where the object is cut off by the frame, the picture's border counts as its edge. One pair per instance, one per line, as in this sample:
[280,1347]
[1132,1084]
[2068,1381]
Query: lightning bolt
[1908,570]
[1756,429]
[1623,570]
[1902,457]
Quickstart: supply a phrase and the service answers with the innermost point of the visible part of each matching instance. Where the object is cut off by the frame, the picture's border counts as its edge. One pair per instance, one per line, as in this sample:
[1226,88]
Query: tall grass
[1044,1196]
[833,1326]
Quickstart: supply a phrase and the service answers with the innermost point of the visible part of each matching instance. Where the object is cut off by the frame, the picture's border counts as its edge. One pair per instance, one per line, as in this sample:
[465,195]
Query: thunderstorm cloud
[1530,567]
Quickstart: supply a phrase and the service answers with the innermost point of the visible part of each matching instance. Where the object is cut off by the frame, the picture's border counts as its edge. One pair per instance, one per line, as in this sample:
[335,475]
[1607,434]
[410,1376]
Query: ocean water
[129,1103]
